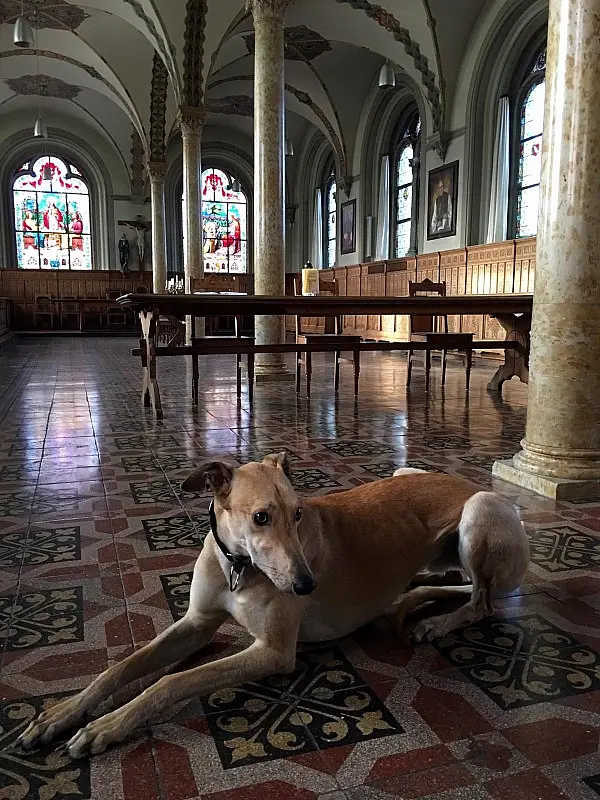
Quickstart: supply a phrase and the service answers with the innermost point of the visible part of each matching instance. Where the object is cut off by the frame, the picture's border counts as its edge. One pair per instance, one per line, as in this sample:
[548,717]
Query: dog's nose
[306,584]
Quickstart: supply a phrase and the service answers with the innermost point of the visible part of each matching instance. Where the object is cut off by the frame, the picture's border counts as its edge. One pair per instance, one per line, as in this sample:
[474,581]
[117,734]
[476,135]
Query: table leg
[308,366]
[239,375]
[516,360]
[195,380]
[150,390]
[356,371]
[336,371]
[250,377]
[468,367]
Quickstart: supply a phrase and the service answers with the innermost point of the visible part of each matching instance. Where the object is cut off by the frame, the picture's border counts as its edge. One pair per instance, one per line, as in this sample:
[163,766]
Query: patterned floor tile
[45,774]
[50,546]
[41,619]
[168,533]
[177,592]
[358,448]
[323,704]
[562,548]
[306,479]
[522,661]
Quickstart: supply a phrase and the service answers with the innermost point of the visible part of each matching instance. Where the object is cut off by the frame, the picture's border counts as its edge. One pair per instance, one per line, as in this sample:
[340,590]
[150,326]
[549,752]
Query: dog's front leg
[254,663]
[186,636]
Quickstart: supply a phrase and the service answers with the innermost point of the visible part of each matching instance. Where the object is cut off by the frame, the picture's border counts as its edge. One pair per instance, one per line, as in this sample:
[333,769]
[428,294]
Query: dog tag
[234,576]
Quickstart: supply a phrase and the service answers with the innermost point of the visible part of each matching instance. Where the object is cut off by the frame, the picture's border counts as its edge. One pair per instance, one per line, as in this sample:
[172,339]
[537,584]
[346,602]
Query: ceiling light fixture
[22,31]
[387,75]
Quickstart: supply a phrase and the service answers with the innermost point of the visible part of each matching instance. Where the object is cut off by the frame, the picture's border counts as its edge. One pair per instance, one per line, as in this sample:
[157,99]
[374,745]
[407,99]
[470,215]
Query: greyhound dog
[289,571]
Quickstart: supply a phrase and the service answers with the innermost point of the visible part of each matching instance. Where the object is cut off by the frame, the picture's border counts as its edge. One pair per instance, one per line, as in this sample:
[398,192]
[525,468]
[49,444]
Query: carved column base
[554,488]
[273,373]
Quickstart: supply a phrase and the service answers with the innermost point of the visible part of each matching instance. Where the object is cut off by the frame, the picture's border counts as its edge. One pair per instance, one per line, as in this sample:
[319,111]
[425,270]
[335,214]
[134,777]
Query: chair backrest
[112,294]
[426,323]
[43,302]
[141,290]
[329,287]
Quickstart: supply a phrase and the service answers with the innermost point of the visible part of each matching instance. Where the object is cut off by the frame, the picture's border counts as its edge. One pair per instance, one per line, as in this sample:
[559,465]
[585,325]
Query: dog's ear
[215,475]
[279,460]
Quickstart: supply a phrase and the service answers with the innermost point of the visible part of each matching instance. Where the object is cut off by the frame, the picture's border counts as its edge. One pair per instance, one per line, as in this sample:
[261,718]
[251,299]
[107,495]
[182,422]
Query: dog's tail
[407,471]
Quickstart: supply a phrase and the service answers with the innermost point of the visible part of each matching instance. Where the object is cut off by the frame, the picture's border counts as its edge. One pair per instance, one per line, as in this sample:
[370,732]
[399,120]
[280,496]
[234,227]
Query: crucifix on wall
[140,226]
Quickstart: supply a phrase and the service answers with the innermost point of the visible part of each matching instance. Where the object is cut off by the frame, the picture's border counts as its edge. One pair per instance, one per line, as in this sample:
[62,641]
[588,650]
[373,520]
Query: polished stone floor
[97,545]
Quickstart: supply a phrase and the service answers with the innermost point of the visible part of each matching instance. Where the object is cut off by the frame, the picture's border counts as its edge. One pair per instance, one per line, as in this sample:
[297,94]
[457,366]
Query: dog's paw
[427,630]
[97,736]
[50,723]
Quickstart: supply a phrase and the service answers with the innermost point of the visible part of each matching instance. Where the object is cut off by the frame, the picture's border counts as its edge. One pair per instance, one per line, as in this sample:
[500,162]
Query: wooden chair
[93,312]
[338,337]
[115,316]
[43,309]
[433,331]
[69,311]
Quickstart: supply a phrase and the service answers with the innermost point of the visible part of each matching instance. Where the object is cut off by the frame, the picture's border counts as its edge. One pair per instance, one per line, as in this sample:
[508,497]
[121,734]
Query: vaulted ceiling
[94,64]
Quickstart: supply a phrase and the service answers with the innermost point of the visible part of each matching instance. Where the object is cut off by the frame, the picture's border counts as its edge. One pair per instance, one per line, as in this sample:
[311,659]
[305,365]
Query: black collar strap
[238,563]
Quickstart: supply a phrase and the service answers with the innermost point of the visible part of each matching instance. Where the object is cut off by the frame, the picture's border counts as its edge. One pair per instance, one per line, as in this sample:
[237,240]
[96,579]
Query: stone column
[561,450]
[156,172]
[191,120]
[269,176]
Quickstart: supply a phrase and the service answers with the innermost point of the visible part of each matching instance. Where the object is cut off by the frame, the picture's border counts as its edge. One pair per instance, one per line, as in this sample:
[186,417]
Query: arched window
[527,166]
[52,215]
[224,222]
[330,195]
[405,188]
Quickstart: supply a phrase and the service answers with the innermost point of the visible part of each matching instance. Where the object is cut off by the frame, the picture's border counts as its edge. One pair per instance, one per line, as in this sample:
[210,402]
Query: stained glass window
[530,151]
[404,187]
[331,222]
[52,216]
[224,223]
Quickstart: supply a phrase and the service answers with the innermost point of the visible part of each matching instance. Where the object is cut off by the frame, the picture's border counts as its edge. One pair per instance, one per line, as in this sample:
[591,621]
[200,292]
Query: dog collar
[238,563]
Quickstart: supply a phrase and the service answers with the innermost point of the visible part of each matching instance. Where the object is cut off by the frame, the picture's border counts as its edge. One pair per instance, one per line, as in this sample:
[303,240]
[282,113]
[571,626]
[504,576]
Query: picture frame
[348,231]
[442,197]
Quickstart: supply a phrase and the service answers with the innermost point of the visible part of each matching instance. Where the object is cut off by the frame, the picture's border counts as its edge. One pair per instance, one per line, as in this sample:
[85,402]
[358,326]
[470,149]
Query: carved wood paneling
[524,265]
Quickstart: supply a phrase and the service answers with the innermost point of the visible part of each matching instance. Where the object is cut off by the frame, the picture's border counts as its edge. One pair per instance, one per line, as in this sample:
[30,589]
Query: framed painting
[442,195]
[348,243]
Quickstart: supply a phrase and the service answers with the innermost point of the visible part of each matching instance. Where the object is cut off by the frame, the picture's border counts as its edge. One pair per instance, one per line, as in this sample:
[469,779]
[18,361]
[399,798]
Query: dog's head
[258,514]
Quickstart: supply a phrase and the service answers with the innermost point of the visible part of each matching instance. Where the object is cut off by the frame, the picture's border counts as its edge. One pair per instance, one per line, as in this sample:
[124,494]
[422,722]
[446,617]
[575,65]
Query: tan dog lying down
[312,571]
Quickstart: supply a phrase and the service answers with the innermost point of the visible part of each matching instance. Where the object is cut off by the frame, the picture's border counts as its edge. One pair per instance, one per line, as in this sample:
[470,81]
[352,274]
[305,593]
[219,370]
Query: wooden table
[512,311]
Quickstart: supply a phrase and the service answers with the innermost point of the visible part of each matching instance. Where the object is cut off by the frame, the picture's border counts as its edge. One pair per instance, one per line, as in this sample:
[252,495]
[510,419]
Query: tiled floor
[97,544]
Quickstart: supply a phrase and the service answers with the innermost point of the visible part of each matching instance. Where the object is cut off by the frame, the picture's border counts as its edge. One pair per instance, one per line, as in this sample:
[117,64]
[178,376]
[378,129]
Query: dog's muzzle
[306,584]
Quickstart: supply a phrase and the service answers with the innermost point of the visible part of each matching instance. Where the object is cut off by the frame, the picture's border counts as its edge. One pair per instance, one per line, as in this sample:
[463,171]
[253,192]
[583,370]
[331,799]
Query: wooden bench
[223,345]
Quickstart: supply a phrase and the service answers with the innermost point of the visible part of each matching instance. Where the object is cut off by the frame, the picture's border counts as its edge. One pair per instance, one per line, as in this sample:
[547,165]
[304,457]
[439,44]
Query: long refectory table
[513,312]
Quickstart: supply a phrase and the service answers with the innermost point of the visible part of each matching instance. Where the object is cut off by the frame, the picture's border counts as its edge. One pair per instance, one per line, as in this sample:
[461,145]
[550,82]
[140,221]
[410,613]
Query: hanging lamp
[387,75]
[289,148]
[22,31]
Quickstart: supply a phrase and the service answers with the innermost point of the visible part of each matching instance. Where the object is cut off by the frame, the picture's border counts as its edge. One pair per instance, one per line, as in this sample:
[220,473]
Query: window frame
[329,180]
[230,177]
[79,174]
[408,133]
[529,78]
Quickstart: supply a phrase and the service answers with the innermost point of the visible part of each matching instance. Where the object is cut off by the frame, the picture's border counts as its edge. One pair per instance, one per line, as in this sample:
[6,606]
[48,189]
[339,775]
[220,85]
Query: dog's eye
[298,516]
[262,518]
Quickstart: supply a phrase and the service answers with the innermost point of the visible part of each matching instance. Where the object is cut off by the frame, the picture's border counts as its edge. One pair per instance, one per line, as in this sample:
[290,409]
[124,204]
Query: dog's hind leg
[423,594]
[185,637]
[493,551]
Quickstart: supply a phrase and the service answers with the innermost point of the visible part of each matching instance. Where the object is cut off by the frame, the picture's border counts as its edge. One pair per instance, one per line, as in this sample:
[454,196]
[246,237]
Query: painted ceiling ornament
[193,52]
[42,86]
[300,44]
[239,104]
[55,14]
[158,109]
[138,176]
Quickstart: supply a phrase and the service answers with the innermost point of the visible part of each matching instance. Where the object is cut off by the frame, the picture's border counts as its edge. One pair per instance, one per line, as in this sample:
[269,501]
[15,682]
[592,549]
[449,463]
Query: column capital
[268,9]
[191,120]
[156,170]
